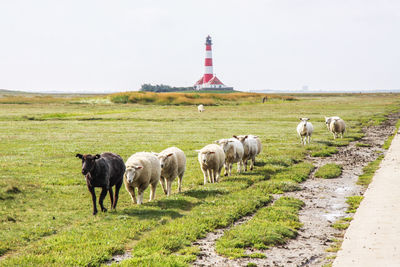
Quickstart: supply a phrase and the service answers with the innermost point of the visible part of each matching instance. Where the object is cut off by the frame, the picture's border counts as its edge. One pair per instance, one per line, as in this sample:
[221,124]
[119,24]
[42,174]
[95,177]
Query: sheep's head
[223,143]
[204,155]
[163,158]
[131,172]
[241,138]
[304,122]
[88,162]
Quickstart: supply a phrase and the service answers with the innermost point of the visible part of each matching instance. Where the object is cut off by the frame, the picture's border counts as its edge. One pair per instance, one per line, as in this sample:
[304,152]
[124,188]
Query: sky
[110,46]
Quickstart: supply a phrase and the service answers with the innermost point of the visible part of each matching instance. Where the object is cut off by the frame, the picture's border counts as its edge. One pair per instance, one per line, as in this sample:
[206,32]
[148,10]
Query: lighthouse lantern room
[209,81]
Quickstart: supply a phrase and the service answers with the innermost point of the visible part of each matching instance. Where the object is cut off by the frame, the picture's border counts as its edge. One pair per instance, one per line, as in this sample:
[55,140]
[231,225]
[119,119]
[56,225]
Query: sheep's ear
[170,154]
[198,151]
[138,167]
[301,119]
[255,136]
[246,136]
[79,156]
[216,142]
[211,152]
[234,136]
[154,153]
[307,119]
[97,156]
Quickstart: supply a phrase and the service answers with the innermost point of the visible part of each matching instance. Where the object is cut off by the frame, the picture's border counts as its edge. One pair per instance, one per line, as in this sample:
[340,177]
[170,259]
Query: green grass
[363,145]
[368,172]
[45,211]
[388,142]
[328,171]
[354,202]
[270,226]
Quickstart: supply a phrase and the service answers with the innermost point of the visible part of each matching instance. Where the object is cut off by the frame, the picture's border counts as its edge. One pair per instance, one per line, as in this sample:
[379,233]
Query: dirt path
[373,236]
[325,203]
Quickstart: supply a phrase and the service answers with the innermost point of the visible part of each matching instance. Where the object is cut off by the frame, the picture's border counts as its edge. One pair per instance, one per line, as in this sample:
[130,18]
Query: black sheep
[105,171]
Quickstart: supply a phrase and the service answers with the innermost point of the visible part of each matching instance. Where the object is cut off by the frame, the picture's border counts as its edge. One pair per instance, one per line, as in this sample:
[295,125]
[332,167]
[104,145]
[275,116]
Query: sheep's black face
[88,162]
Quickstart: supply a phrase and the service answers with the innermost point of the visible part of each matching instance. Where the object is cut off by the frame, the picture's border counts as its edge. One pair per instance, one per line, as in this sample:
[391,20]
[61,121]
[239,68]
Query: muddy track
[325,202]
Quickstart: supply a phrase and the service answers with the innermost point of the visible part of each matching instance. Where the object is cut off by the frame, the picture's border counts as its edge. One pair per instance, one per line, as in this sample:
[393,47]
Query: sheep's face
[88,162]
[204,156]
[132,172]
[304,122]
[328,121]
[163,159]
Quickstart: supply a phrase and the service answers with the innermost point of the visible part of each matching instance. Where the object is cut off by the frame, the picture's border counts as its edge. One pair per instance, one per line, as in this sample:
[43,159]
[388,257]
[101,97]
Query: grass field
[45,211]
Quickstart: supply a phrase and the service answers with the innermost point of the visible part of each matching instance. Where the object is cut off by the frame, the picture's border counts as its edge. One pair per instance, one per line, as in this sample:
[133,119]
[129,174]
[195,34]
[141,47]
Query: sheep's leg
[116,194]
[239,166]
[140,195]
[226,167]
[169,190]
[180,182]
[103,194]
[153,188]
[131,191]
[309,139]
[245,165]
[210,176]
[205,175]
[91,190]
[216,175]
[162,182]
[110,190]
[230,169]
[253,160]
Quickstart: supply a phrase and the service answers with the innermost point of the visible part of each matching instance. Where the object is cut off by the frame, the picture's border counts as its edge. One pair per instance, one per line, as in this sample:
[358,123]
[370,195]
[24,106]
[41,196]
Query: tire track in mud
[325,202]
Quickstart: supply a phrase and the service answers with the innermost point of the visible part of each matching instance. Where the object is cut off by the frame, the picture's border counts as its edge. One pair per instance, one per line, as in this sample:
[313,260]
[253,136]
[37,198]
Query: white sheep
[250,148]
[211,159]
[233,150]
[305,130]
[259,145]
[200,108]
[173,164]
[337,126]
[328,121]
[142,169]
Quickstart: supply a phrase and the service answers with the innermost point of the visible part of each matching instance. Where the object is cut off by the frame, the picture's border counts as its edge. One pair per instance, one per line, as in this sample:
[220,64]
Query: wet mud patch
[325,202]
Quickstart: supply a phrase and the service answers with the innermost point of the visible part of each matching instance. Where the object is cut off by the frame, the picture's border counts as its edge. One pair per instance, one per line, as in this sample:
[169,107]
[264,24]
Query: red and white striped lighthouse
[209,81]
[208,66]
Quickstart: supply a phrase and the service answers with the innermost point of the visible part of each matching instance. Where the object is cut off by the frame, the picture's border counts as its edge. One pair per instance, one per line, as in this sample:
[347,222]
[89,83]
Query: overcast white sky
[104,45]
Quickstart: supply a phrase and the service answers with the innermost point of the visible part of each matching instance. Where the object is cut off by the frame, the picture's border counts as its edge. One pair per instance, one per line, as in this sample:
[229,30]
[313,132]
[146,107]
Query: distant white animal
[142,169]
[233,150]
[211,159]
[337,126]
[305,130]
[173,164]
[328,121]
[200,108]
[250,148]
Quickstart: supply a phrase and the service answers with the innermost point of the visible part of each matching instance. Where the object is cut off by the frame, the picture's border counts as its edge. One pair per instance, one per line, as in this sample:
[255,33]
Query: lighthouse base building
[213,84]
[209,81]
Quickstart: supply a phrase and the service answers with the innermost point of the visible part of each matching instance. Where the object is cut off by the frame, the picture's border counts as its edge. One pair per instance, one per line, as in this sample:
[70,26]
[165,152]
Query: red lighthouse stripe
[207,77]
[208,62]
[208,47]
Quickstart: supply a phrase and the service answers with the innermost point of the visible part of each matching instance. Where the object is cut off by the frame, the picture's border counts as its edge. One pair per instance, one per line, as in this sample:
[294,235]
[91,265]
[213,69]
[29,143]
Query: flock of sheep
[148,168]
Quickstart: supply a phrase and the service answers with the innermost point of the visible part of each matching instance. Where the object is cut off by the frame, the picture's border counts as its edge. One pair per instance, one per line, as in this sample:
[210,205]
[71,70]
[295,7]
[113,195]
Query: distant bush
[193,98]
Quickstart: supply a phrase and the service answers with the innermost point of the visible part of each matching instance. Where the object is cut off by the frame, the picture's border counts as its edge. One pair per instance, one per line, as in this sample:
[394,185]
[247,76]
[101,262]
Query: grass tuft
[270,226]
[328,171]
[368,172]
[354,203]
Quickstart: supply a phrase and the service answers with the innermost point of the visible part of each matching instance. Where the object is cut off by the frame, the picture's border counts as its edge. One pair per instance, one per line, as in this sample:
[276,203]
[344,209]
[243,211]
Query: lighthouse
[209,81]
